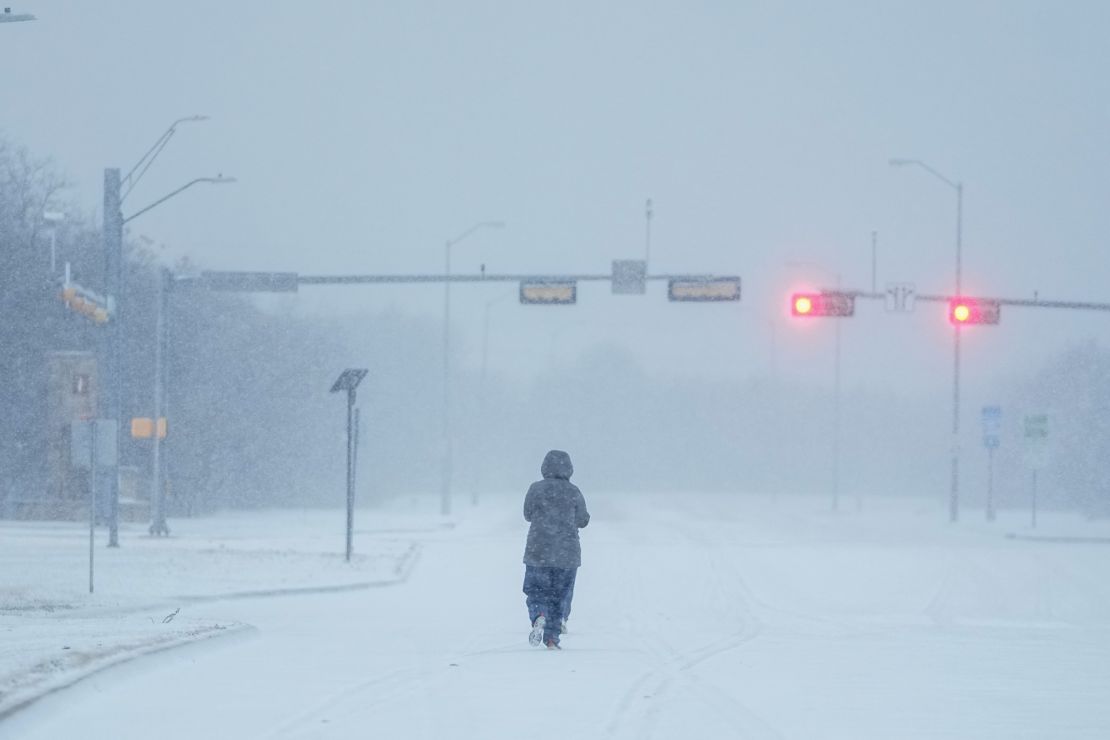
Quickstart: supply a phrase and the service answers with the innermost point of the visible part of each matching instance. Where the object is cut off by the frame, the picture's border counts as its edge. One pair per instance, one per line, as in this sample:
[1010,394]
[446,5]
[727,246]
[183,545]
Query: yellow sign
[712,289]
[545,292]
[142,427]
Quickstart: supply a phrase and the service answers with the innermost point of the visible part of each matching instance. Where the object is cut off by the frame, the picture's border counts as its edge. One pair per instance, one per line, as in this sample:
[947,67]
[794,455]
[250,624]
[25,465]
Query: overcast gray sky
[365,134]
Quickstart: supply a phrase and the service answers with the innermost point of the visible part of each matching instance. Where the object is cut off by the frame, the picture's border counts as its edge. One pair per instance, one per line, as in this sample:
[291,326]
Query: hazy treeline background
[252,423]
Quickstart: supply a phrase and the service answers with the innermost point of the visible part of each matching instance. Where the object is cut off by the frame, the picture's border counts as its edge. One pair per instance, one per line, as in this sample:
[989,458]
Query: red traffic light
[822,304]
[973,311]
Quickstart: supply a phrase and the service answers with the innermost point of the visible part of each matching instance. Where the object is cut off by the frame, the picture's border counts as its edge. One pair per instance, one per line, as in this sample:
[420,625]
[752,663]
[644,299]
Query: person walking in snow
[555,510]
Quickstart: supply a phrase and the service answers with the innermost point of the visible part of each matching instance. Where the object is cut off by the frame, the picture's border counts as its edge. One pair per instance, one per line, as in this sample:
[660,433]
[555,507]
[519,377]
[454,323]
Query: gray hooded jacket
[556,510]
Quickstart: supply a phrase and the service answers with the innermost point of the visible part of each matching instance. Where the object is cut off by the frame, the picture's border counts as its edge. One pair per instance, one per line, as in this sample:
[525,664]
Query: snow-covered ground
[146,592]
[695,616]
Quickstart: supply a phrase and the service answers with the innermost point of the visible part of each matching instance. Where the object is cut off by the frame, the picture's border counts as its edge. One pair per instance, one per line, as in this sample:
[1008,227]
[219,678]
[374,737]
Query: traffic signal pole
[961,310]
[158,526]
[954,497]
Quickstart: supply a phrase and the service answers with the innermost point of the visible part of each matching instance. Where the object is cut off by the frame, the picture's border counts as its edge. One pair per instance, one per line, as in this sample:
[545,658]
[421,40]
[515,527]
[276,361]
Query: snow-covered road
[694,617]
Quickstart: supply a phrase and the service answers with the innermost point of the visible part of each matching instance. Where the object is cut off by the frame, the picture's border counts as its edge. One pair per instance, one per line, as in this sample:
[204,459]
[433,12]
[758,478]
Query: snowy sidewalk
[150,593]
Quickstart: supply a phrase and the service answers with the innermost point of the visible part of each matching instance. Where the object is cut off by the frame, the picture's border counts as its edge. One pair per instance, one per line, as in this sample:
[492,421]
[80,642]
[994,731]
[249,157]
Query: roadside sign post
[92,448]
[992,424]
[1036,453]
[92,500]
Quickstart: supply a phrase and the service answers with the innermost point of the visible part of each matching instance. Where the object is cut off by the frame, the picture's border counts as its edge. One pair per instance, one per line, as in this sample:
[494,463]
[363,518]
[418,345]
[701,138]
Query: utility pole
[447,462]
[111,397]
[954,495]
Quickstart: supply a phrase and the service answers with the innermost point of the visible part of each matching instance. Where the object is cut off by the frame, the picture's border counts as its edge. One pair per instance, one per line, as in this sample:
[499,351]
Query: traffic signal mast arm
[483,278]
[962,309]
[694,287]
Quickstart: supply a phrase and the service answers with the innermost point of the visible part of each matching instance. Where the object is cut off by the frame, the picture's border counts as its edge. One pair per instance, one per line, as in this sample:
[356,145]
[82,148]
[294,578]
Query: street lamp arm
[475,227]
[215,180]
[896,162]
[152,154]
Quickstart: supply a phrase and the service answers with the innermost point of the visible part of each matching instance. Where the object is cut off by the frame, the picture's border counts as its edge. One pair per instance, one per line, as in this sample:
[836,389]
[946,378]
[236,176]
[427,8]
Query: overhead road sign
[251,282]
[549,292]
[900,297]
[629,277]
[825,303]
[704,289]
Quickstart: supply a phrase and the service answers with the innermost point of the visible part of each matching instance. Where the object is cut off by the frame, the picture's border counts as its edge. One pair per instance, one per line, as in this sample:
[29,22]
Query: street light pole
[446,473]
[954,492]
[158,524]
[112,396]
[482,397]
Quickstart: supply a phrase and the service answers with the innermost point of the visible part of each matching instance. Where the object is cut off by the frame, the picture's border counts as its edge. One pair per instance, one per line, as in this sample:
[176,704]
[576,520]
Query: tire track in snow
[675,668]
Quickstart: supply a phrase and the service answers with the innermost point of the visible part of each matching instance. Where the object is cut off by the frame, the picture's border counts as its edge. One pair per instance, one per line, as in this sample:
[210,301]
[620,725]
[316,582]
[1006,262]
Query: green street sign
[1036,426]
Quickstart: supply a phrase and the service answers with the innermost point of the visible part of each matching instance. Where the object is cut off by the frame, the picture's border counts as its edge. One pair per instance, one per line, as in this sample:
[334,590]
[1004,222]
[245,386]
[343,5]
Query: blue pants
[547,590]
[570,595]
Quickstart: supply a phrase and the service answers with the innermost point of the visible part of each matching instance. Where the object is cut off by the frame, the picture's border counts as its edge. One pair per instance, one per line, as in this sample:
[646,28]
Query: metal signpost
[93,446]
[1036,453]
[992,425]
[348,381]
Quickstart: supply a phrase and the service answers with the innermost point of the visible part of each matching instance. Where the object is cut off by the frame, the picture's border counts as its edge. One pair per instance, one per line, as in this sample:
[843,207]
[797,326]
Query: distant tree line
[249,424]
[252,423]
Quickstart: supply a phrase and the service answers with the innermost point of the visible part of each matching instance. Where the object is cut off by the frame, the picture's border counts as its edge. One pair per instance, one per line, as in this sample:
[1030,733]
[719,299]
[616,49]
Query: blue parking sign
[992,426]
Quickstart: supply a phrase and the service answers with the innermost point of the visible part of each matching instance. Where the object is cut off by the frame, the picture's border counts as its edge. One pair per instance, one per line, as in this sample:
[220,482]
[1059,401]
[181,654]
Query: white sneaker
[535,637]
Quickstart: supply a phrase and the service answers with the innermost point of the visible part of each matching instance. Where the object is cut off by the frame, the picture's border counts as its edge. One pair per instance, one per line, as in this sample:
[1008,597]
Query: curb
[126,656]
[401,574]
[1058,539]
[402,571]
